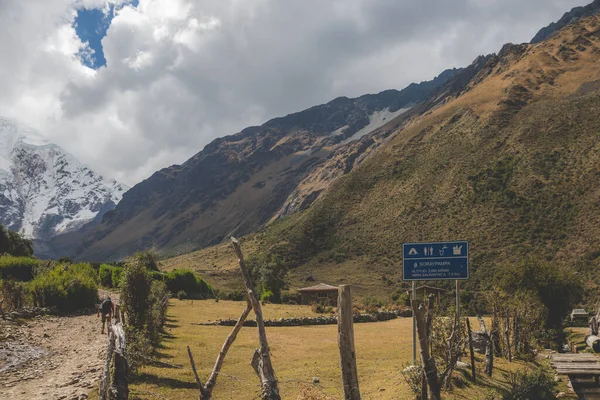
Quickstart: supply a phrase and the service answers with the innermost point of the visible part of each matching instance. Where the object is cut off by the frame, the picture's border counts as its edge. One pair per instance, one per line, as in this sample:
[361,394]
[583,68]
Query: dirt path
[51,357]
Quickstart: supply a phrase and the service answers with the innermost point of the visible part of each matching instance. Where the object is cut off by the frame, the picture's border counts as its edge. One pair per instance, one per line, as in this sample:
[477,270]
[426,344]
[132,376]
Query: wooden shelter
[321,293]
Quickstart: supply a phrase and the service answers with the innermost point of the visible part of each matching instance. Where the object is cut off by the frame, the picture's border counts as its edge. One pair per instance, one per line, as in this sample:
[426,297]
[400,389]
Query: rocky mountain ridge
[570,17]
[238,183]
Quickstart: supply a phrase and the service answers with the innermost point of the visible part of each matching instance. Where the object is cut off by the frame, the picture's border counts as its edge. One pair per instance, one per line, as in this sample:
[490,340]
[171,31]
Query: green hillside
[517,176]
[511,164]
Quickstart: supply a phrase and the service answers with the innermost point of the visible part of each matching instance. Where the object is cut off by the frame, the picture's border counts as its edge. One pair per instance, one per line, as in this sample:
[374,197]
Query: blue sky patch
[91,26]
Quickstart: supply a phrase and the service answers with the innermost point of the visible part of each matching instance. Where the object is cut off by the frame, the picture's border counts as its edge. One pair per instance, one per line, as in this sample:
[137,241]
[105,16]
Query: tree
[148,258]
[14,243]
[268,273]
[557,288]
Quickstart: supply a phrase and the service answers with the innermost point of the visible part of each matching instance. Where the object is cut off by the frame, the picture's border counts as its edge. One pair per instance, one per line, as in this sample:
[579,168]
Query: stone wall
[321,320]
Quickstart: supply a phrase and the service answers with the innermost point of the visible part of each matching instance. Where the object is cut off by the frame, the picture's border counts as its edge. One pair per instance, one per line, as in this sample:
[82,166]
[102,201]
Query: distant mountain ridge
[238,183]
[45,191]
[570,17]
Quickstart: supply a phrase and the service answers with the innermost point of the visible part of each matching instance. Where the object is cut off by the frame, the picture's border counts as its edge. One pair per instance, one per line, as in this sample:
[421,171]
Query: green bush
[185,280]
[525,385]
[266,296]
[14,295]
[157,276]
[288,297]
[159,301]
[117,273]
[182,295]
[66,287]
[235,295]
[105,275]
[15,244]
[18,268]
[145,303]
[148,259]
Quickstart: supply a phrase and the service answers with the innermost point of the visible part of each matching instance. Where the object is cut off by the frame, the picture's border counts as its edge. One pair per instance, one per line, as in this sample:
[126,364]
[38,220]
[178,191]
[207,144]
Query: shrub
[159,301]
[14,244]
[524,385]
[182,295]
[371,304]
[14,295]
[145,303]
[148,259]
[235,295]
[401,298]
[18,268]
[185,280]
[67,287]
[289,297]
[266,296]
[135,291]
[139,348]
[558,288]
[157,276]
[105,275]
[116,275]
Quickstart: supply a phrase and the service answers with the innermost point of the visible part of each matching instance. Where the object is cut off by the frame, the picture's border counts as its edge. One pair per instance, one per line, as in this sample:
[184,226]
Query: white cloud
[180,73]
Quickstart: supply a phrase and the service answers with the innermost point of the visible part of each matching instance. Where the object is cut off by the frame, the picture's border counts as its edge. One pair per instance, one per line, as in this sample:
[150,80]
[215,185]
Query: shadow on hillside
[163,382]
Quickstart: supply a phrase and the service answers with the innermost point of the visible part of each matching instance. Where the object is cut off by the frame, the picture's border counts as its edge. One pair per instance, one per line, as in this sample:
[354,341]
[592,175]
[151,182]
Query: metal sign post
[435,261]
[414,346]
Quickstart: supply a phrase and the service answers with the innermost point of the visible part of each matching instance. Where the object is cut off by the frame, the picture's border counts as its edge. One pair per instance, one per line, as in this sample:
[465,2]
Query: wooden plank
[579,372]
[580,357]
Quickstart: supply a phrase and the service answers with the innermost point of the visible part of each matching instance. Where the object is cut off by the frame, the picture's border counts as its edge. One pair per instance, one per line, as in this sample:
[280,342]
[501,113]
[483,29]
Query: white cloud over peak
[180,73]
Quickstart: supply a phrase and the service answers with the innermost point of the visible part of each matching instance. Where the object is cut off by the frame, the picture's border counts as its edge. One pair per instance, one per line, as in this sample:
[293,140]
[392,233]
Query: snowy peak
[44,190]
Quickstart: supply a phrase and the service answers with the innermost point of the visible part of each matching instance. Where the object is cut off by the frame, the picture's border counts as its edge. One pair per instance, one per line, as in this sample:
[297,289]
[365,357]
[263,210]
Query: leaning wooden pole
[346,344]
[206,389]
[261,361]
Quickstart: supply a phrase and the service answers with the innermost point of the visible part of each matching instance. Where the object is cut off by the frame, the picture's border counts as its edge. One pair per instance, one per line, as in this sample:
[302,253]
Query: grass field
[298,354]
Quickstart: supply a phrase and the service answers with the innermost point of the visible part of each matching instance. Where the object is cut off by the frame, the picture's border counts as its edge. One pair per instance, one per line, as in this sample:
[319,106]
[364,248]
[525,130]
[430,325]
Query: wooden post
[507,335]
[474,376]
[429,366]
[262,357]
[346,344]
[115,381]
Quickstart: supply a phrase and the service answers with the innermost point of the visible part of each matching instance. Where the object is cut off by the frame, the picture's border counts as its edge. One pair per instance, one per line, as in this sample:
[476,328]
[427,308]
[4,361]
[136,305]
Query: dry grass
[299,354]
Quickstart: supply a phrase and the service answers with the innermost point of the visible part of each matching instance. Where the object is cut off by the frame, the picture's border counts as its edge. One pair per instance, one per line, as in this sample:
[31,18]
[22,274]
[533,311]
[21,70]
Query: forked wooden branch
[206,389]
[270,390]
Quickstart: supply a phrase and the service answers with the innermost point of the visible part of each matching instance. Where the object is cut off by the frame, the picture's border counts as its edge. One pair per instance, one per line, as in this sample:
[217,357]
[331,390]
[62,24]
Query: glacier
[44,190]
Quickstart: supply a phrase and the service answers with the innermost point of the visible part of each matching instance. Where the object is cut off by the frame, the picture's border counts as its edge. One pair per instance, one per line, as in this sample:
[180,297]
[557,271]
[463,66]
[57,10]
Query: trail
[50,357]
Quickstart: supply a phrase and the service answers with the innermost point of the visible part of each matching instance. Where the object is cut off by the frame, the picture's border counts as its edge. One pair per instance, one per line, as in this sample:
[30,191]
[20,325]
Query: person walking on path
[107,309]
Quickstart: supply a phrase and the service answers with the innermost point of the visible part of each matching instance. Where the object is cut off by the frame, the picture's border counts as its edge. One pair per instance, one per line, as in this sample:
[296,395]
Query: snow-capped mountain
[45,191]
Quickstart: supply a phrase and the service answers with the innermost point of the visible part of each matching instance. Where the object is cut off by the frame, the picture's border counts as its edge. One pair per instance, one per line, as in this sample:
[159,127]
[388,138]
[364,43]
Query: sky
[132,86]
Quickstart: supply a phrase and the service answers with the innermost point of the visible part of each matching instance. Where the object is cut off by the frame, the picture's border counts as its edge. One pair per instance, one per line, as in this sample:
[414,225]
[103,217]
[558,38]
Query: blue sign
[435,261]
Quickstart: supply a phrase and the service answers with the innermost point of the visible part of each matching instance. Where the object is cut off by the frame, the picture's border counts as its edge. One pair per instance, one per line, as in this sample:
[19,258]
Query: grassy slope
[512,165]
[298,354]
